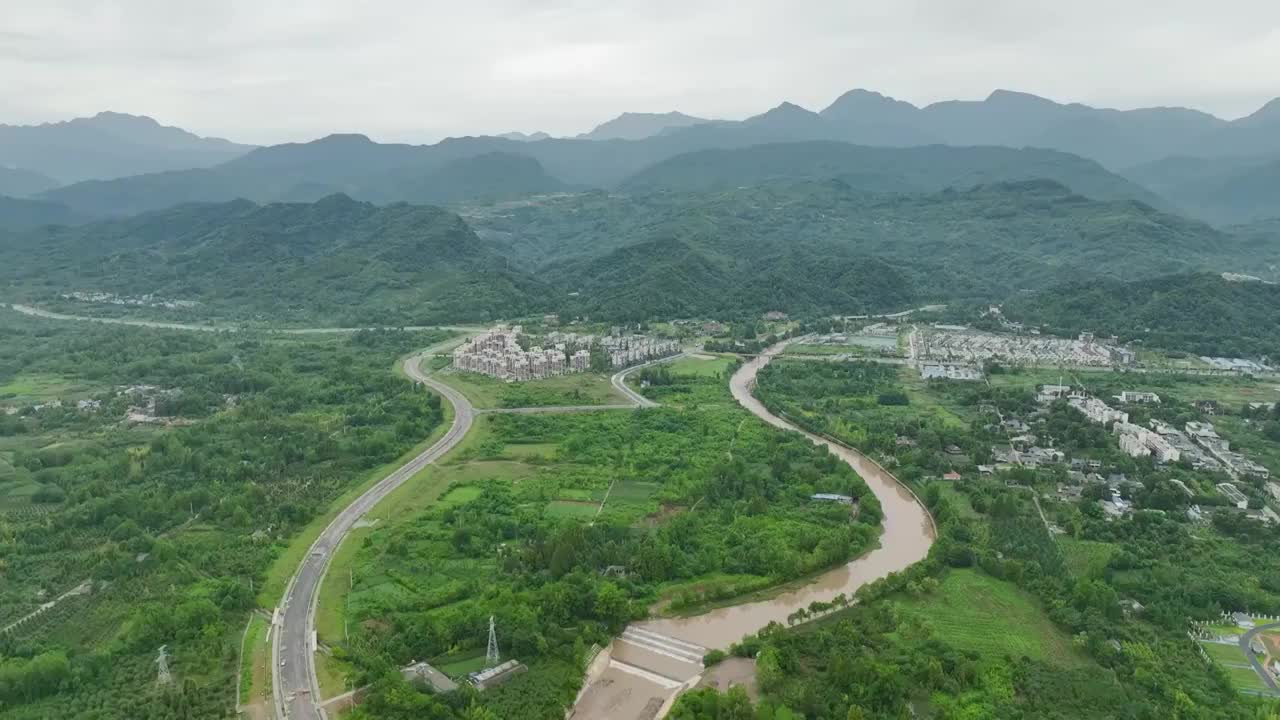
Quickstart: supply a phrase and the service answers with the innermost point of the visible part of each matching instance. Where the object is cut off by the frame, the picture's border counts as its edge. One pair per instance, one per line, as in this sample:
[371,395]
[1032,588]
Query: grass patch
[1225,654]
[576,389]
[521,451]
[458,667]
[706,366]
[580,509]
[332,675]
[255,667]
[1245,679]
[924,401]
[1086,558]
[460,495]
[41,386]
[973,611]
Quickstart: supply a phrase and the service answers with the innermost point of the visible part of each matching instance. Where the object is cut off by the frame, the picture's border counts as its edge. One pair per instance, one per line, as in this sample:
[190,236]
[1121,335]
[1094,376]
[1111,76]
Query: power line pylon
[163,676]
[491,655]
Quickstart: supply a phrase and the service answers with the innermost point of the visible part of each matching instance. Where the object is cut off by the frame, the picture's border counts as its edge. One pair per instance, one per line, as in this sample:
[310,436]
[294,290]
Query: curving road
[162,325]
[297,692]
[296,688]
[619,381]
[1253,659]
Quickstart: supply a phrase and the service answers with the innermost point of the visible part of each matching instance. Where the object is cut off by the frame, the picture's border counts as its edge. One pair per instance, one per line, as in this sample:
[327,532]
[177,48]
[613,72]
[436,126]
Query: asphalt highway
[297,693]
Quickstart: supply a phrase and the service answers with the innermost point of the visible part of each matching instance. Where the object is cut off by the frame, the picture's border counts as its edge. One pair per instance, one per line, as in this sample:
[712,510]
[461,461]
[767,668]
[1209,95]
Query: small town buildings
[953,476]
[1049,393]
[499,353]
[1098,411]
[1132,397]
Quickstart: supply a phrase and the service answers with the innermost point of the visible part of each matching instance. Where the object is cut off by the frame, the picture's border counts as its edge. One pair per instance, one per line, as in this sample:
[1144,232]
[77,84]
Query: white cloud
[274,70]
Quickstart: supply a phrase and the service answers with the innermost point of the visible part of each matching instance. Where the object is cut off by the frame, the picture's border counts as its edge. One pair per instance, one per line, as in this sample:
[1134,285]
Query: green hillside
[1201,313]
[673,278]
[879,169]
[985,242]
[339,260]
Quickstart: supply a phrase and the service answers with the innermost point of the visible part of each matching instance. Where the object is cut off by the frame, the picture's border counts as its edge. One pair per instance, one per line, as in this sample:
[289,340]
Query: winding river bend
[641,672]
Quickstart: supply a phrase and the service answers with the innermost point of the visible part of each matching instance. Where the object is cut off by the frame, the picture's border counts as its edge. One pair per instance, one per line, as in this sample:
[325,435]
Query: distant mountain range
[17,182]
[882,169]
[108,145]
[493,168]
[638,126]
[1115,138]
[1189,160]
[1221,189]
[26,213]
[305,172]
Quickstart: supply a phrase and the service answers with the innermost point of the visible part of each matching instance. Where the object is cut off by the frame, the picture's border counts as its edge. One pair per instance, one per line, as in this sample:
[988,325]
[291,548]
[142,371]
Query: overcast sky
[266,71]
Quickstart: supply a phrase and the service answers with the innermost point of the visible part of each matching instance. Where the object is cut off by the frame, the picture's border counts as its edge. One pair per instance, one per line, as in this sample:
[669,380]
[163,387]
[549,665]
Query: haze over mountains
[871,204]
[108,145]
[1226,170]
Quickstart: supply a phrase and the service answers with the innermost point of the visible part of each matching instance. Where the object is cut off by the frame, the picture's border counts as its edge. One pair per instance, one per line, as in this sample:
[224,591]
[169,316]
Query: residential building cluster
[498,353]
[934,371]
[959,344]
[1236,365]
[1198,443]
[625,350]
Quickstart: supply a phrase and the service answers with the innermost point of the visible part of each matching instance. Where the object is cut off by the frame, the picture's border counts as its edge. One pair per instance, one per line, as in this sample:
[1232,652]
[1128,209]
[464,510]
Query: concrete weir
[653,661]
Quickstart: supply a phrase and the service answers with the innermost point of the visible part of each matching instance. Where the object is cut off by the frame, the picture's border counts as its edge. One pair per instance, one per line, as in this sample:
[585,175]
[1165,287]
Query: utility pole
[491,655]
[163,676]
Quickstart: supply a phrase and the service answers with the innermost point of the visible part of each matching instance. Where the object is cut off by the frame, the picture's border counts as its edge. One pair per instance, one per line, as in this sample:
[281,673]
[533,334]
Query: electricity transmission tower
[163,676]
[491,655]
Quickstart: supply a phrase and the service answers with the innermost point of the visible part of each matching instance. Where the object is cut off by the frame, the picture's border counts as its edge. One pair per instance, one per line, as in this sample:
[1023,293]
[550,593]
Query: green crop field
[975,612]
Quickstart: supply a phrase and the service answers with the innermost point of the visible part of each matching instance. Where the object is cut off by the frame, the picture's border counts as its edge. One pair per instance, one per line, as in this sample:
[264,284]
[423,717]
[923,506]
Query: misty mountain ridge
[638,126]
[109,145]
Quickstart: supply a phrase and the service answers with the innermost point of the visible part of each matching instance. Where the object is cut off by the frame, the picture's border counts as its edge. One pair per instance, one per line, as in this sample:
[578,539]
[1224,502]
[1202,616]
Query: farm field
[993,618]
[576,389]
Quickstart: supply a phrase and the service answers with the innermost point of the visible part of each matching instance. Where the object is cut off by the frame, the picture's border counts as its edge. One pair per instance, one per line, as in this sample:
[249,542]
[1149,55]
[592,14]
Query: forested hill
[881,169]
[800,247]
[676,278]
[1199,313]
[336,260]
[986,242]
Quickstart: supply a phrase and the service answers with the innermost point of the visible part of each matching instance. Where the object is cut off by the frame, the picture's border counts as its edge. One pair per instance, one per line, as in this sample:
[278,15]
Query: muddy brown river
[653,658]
